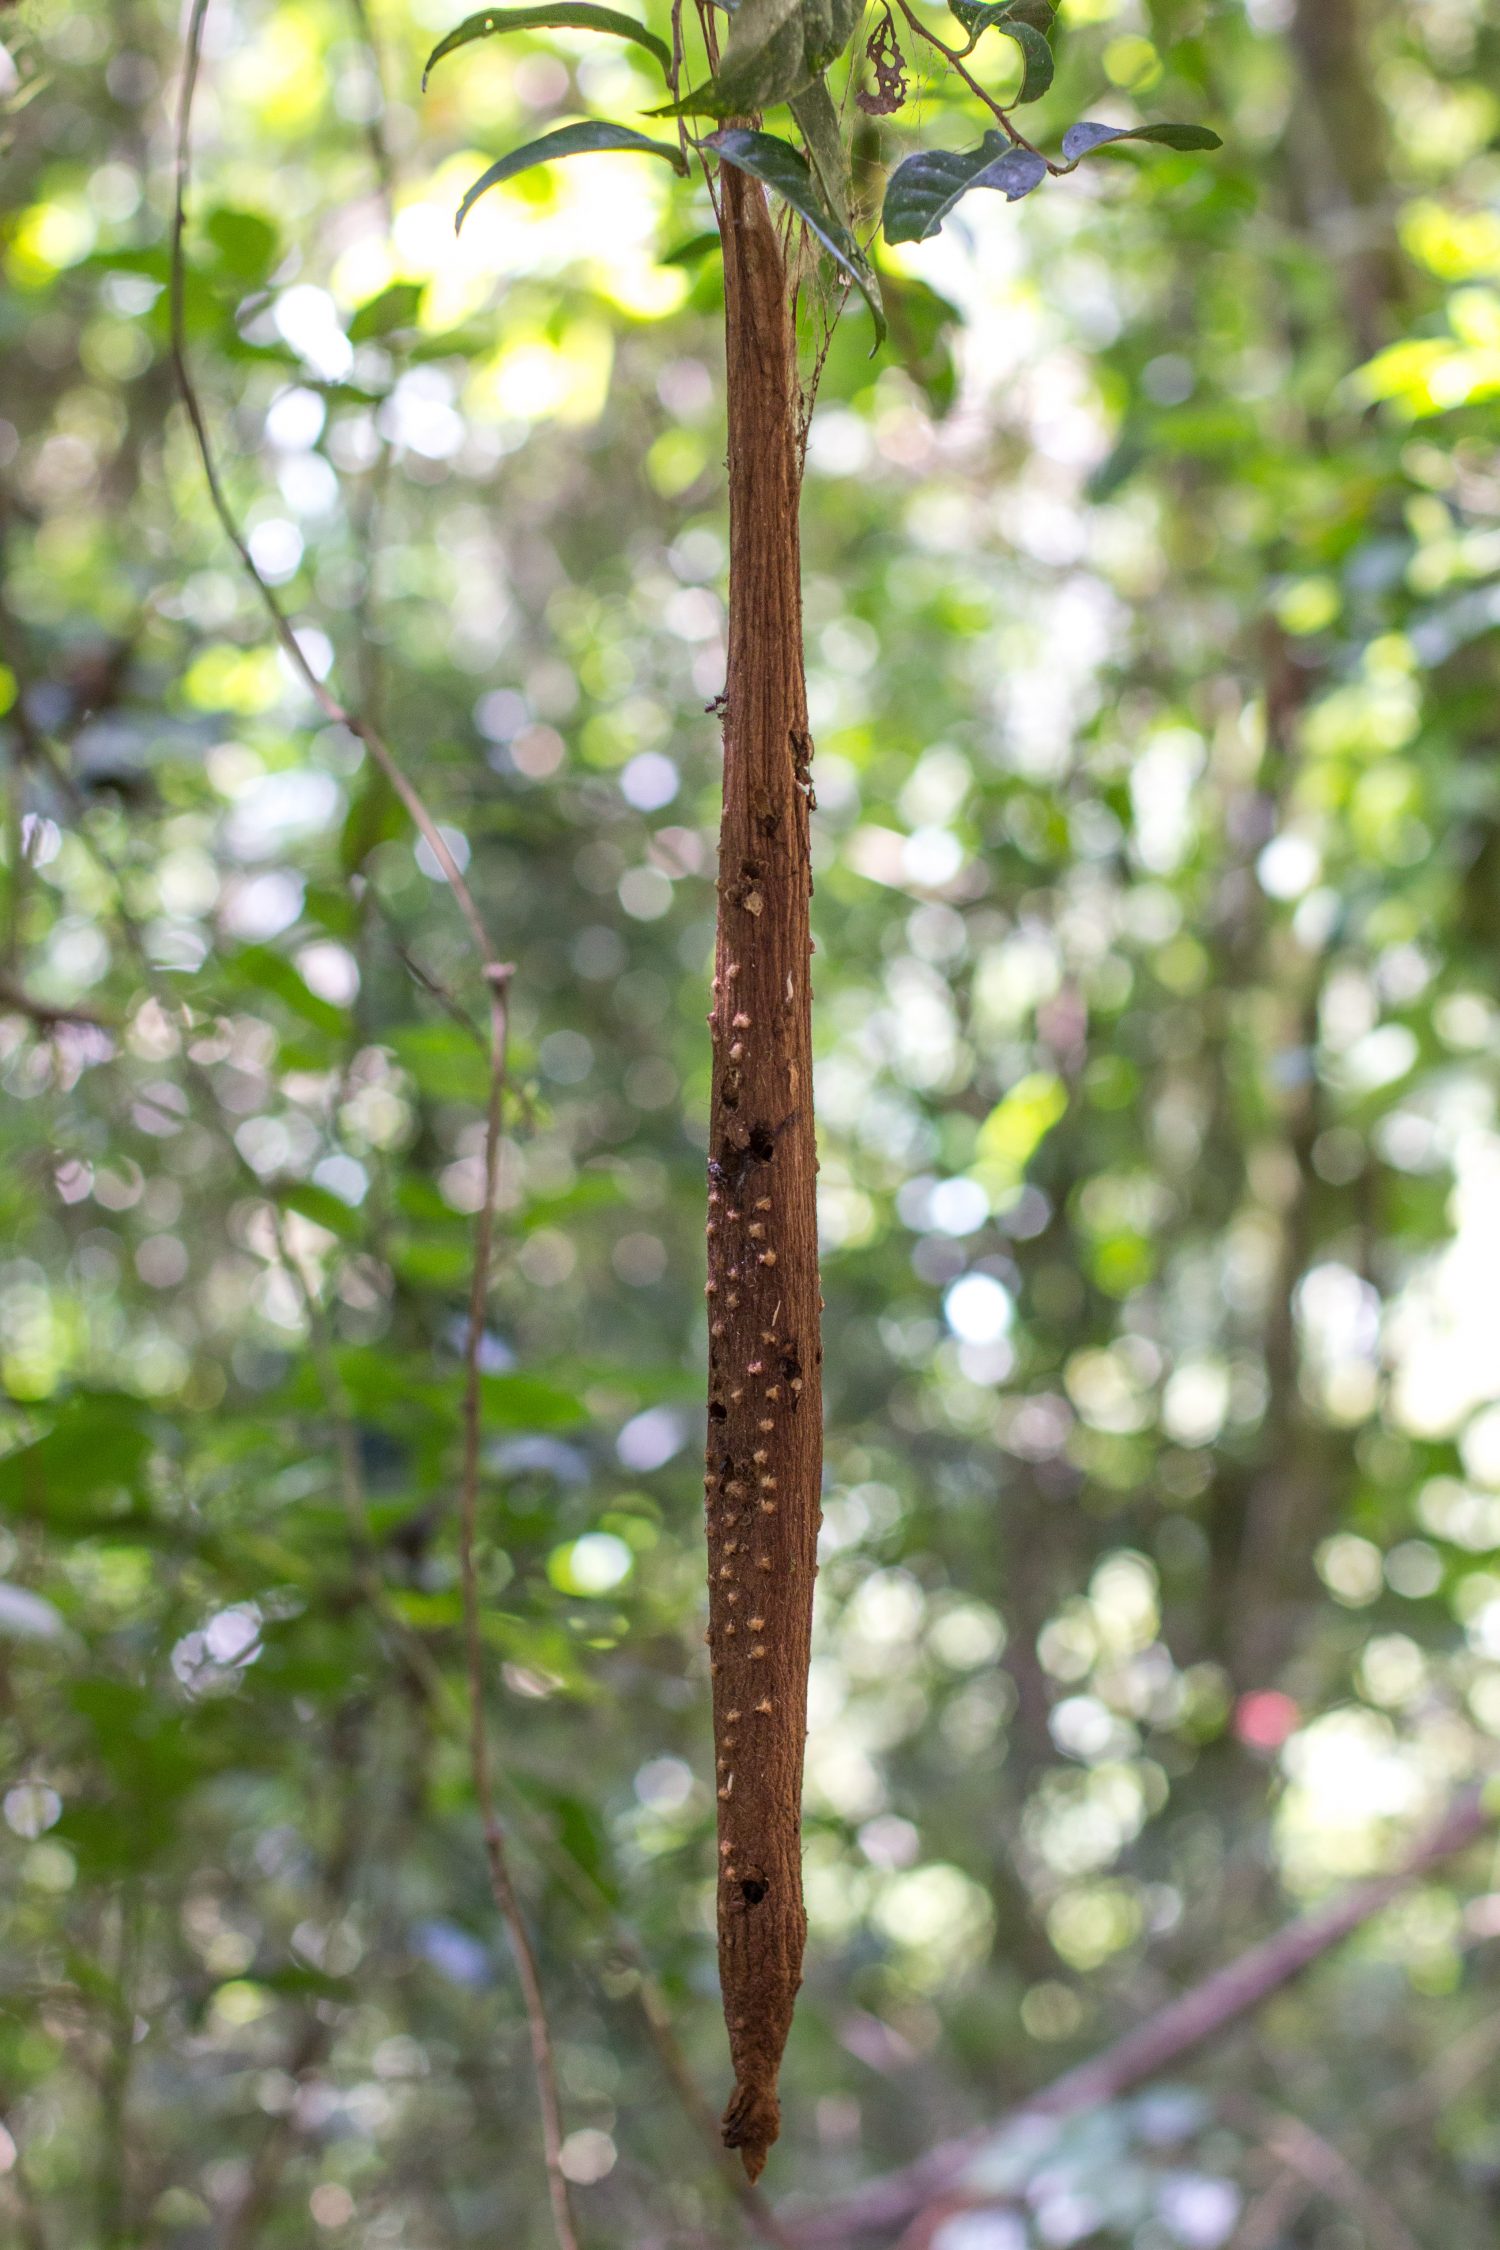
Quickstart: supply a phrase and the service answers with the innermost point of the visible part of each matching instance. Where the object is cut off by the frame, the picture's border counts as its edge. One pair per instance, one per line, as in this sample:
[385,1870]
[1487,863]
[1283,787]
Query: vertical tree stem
[764,1458]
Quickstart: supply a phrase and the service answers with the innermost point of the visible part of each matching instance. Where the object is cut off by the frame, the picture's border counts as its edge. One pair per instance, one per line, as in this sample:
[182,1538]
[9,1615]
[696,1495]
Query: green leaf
[562,15]
[395,307]
[979,16]
[690,252]
[261,970]
[97,1448]
[924,189]
[571,140]
[445,1061]
[319,1204]
[1037,56]
[1079,140]
[248,245]
[818,122]
[922,323]
[526,1402]
[777,163]
[1032,41]
[776,48]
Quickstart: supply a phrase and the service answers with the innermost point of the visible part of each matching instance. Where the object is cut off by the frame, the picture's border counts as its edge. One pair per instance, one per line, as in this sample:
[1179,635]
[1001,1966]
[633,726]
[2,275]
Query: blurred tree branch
[1183,2025]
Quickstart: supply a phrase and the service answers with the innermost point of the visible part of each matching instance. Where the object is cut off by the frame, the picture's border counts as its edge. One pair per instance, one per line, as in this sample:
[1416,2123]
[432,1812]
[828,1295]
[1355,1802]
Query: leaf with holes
[561,15]
[570,140]
[924,189]
[776,48]
[778,165]
[1079,140]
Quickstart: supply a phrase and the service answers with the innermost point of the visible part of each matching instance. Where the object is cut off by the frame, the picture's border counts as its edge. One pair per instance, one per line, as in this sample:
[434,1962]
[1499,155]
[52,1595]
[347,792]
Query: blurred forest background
[1153,607]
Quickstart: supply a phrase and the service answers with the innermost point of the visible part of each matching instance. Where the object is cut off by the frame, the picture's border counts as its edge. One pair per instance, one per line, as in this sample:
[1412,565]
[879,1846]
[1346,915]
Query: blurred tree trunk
[1339,152]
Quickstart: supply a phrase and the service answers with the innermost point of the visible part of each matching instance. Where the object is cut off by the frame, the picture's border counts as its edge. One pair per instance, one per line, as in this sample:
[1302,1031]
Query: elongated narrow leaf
[559,15]
[1078,140]
[569,140]
[778,164]
[775,49]
[818,122]
[693,251]
[924,189]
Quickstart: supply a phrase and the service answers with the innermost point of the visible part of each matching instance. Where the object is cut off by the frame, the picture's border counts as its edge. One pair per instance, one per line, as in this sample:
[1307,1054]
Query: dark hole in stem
[752,1890]
[717,1410]
[762,1143]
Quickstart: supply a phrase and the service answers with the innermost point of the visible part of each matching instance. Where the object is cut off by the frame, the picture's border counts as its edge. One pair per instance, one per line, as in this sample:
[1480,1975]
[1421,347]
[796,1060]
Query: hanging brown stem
[764,1457]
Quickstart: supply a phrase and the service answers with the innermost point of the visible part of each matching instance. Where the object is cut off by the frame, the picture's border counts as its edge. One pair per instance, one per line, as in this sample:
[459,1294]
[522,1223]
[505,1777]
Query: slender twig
[1326,2170]
[954,55]
[497,975]
[496,1853]
[382,161]
[329,704]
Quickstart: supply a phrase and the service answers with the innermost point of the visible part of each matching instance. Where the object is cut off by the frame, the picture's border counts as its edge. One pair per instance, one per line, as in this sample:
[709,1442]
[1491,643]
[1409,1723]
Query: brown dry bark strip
[764,1456]
[1163,2039]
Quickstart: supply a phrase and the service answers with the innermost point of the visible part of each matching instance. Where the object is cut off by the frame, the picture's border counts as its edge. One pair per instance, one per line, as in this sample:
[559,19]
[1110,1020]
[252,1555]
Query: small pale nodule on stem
[762,1154]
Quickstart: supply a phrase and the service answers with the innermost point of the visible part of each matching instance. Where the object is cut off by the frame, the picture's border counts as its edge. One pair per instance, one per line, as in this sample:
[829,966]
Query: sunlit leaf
[589,139]
[558,15]
[395,307]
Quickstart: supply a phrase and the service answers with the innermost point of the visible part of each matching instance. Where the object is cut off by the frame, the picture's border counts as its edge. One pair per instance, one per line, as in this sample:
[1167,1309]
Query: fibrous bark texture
[765,1439]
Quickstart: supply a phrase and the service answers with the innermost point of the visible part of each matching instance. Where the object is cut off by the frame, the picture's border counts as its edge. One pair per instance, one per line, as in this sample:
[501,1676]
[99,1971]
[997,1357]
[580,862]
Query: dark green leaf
[1037,57]
[1080,139]
[571,140]
[778,164]
[776,48]
[1014,24]
[978,16]
[262,970]
[322,1207]
[98,1446]
[924,189]
[562,15]
[688,253]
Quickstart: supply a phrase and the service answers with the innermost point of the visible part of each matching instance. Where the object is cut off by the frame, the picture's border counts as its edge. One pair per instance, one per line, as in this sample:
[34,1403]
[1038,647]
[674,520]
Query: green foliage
[1157,842]
[558,15]
[924,188]
[587,139]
